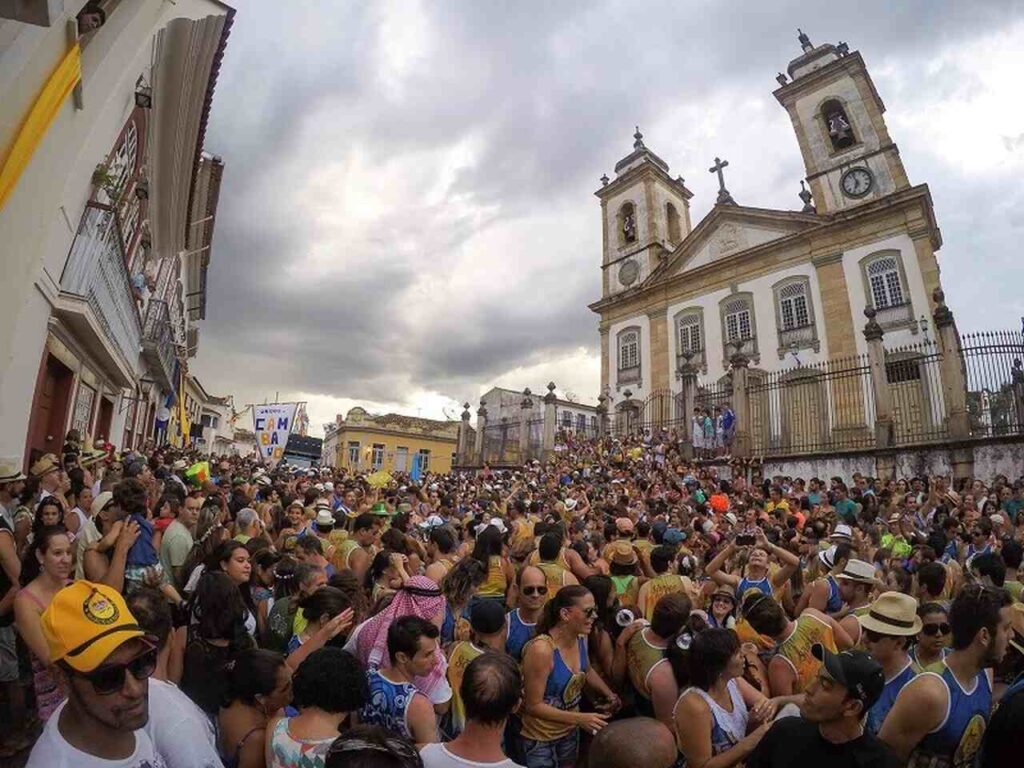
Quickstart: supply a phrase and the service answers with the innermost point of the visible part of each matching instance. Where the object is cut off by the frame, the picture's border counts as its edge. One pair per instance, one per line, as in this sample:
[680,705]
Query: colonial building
[363,441]
[506,406]
[107,206]
[780,286]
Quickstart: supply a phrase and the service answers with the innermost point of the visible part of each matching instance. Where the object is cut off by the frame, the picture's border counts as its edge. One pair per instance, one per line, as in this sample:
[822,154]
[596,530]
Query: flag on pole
[417,467]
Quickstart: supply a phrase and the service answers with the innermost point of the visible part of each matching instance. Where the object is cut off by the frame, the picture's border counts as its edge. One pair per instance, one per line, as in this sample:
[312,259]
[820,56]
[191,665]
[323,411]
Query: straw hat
[10,469]
[893,613]
[44,465]
[858,570]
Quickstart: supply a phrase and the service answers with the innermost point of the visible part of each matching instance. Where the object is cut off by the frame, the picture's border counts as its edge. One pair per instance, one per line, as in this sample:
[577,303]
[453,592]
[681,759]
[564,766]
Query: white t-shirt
[52,751]
[181,731]
[438,756]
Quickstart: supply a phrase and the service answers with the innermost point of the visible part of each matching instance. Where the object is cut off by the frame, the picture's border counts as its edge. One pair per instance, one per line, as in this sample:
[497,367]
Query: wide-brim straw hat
[893,613]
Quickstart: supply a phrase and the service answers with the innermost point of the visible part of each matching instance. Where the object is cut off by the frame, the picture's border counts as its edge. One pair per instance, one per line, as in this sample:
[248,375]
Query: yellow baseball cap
[87,622]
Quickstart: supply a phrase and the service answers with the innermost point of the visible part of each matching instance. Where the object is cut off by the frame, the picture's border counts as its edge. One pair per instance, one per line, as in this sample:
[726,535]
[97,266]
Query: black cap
[487,617]
[856,671]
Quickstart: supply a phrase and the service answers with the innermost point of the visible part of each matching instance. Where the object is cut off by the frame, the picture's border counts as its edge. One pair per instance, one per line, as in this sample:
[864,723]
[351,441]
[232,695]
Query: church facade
[779,286]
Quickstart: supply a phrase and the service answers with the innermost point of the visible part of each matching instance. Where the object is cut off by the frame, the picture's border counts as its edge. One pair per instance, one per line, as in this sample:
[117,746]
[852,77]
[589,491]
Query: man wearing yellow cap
[106,661]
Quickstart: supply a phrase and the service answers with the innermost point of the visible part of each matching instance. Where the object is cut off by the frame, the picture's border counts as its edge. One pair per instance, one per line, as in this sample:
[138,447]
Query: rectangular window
[689,335]
[353,454]
[401,459]
[377,457]
[629,350]
[581,421]
[737,325]
[566,419]
[424,460]
[593,423]
[82,417]
[794,312]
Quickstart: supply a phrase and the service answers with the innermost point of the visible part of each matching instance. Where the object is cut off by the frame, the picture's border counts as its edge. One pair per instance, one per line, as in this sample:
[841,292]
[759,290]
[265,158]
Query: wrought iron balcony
[158,343]
[96,299]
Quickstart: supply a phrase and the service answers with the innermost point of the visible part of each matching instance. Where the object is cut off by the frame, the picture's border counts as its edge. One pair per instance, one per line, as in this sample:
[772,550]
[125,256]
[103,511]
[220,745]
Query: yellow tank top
[535,559]
[522,529]
[562,690]
[555,575]
[796,649]
[496,584]
[342,553]
[458,659]
[641,658]
[659,587]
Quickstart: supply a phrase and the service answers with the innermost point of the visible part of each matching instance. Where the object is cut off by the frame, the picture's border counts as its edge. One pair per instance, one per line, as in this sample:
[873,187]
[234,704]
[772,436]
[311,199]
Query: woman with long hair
[216,634]
[326,688]
[712,716]
[488,551]
[208,536]
[232,558]
[45,570]
[264,563]
[258,685]
[460,585]
[603,632]
[555,669]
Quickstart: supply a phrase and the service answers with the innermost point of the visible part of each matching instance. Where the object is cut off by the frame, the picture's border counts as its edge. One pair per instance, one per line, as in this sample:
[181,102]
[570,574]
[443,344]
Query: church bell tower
[838,118]
[645,213]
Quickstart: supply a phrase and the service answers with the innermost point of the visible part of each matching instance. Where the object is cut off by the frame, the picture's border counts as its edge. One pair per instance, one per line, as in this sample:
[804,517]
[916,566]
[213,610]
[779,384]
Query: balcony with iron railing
[798,337]
[96,300]
[158,343]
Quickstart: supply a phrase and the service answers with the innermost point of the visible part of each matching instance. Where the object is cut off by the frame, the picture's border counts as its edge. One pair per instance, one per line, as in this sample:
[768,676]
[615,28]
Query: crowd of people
[613,606]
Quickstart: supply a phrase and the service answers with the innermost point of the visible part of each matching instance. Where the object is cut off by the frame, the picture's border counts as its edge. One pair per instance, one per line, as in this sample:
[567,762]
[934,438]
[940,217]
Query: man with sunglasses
[889,625]
[106,661]
[940,719]
[533,593]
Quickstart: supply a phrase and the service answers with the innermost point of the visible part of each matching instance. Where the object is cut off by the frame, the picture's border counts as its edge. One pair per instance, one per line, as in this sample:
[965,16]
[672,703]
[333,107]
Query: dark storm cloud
[512,111]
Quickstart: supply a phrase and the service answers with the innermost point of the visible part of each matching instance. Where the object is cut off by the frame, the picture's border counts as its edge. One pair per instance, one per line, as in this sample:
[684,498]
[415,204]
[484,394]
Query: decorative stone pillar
[602,416]
[688,397]
[879,380]
[741,443]
[481,427]
[885,457]
[524,425]
[462,450]
[548,443]
[954,387]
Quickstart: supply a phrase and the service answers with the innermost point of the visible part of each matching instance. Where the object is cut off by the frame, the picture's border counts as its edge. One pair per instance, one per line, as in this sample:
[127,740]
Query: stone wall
[990,459]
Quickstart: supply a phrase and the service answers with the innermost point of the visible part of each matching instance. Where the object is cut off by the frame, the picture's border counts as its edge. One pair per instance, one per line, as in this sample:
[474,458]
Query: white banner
[272,425]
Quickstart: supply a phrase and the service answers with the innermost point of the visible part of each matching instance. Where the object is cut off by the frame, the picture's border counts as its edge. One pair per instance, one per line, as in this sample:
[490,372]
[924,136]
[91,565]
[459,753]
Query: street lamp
[922,323]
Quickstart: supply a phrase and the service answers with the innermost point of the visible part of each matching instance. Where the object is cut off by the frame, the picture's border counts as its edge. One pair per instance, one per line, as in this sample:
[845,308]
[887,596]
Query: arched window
[738,324]
[689,325]
[884,281]
[837,125]
[628,344]
[672,222]
[886,286]
[627,224]
[794,315]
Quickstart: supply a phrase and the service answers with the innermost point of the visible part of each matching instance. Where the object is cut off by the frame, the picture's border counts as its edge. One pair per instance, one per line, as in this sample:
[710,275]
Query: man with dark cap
[831,731]
[487,625]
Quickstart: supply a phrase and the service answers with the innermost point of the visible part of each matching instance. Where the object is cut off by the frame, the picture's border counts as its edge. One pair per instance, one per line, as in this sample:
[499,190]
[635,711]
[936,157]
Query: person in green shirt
[1011,501]
[896,539]
[176,543]
[845,507]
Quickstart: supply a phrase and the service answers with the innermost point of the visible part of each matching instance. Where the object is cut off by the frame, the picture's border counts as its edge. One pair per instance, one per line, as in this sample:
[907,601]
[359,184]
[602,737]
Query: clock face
[629,272]
[857,182]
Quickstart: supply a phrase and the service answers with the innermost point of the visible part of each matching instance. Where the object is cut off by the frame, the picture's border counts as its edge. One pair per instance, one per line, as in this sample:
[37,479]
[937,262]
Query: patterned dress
[289,752]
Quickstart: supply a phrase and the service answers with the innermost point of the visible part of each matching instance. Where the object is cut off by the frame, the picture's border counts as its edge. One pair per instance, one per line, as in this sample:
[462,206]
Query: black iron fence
[827,406]
[913,375]
[994,373]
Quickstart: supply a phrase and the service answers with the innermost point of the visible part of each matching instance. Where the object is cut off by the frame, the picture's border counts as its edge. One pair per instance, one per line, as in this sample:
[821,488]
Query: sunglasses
[529,591]
[110,678]
[590,613]
[933,630]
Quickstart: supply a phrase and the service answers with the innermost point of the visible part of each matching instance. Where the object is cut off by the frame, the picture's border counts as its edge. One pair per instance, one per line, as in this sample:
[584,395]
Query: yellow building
[362,441]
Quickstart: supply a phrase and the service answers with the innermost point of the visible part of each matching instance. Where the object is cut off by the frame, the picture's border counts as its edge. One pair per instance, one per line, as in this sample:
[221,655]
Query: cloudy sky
[408,219]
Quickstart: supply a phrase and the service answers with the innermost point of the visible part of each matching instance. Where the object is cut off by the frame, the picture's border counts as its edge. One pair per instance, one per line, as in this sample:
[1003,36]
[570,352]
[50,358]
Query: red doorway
[50,408]
[104,419]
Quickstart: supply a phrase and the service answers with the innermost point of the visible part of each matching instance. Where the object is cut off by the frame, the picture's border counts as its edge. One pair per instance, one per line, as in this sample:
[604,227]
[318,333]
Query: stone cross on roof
[724,198]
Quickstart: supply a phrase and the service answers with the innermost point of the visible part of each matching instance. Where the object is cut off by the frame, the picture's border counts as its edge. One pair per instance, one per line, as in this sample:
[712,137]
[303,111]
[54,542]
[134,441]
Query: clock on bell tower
[838,118]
